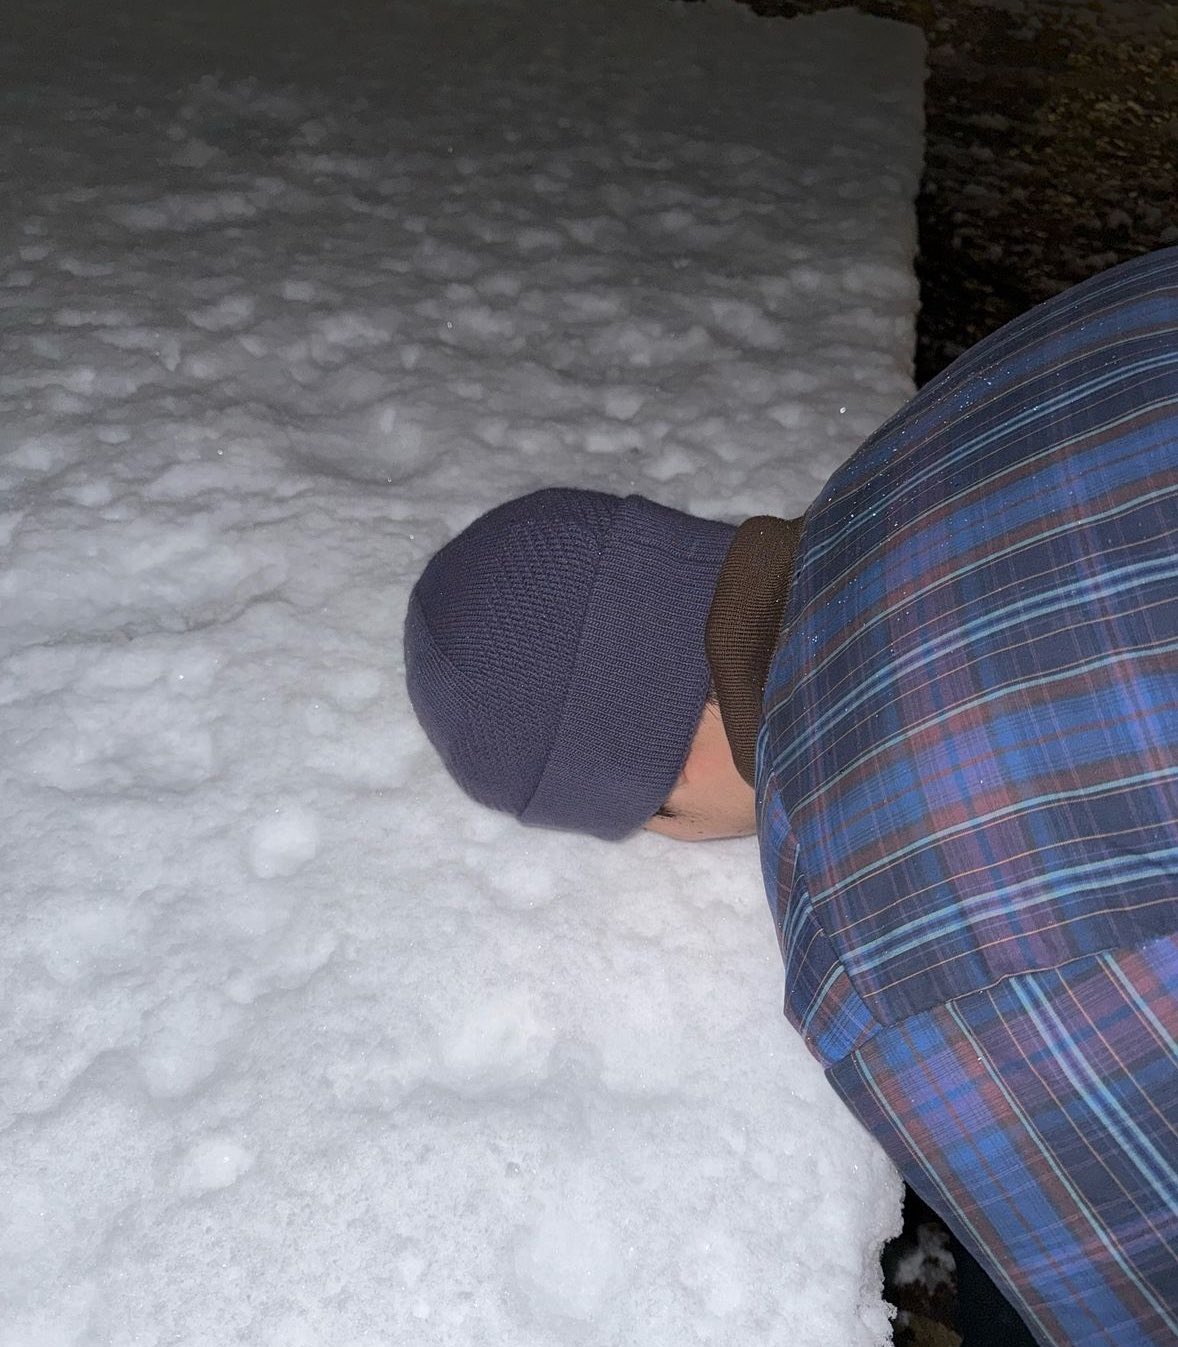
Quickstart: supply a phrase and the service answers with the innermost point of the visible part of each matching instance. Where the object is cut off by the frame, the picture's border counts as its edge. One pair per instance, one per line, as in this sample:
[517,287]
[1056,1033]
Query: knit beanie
[554,653]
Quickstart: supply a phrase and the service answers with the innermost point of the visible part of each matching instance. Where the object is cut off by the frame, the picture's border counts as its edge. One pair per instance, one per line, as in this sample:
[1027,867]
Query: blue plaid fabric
[1038,1116]
[968,792]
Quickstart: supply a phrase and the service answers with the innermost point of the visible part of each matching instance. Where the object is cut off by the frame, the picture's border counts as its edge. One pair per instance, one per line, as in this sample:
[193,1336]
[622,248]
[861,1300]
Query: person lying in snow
[946,699]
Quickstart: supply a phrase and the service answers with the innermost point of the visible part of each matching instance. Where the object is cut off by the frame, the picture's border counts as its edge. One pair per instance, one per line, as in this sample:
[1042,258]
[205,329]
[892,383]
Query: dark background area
[1051,145]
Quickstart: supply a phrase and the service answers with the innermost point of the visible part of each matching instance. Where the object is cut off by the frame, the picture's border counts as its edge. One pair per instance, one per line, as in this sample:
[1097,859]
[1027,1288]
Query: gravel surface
[1052,142]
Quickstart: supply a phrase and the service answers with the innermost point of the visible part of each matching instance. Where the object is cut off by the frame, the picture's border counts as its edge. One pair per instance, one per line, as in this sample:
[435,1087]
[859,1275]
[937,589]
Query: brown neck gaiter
[744,623]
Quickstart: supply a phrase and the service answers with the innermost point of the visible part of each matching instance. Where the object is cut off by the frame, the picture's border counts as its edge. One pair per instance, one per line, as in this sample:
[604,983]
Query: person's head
[554,654]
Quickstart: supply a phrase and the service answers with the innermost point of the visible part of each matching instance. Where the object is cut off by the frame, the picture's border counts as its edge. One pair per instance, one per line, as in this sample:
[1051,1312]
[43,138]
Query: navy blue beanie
[554,653]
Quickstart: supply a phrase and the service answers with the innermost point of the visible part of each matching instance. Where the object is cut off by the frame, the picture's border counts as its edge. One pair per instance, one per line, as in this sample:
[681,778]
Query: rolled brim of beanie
[640,677]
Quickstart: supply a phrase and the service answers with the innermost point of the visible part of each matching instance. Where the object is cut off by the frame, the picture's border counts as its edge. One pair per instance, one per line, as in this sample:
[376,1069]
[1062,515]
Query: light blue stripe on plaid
[1041,1119]
[991,698]
[999,904]
[875,587]
[1157,1175]
[972,721]
[1020,507]
[1146,285]
[1128,579]
[1168,857]
[968,802]
[835,1020]
[1144,1009]
[973,448]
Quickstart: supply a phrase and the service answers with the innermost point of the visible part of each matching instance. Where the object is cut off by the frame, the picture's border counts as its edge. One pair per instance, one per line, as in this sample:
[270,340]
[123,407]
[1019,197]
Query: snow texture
[299,1046]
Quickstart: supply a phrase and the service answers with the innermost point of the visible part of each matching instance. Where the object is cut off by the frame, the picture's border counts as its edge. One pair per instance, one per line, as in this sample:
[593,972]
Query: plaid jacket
[967,774]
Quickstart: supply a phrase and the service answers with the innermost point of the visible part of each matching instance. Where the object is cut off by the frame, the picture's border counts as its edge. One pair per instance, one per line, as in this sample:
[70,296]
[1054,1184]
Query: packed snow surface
[302,1048]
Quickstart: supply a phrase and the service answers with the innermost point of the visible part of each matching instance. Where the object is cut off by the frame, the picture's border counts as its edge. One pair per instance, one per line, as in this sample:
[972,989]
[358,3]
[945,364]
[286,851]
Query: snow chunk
[283,843]
[569,1265]
[216,1161]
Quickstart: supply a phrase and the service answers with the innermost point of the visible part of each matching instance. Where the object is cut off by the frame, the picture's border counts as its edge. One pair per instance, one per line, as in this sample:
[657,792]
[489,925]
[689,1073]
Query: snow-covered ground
[300,1048]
